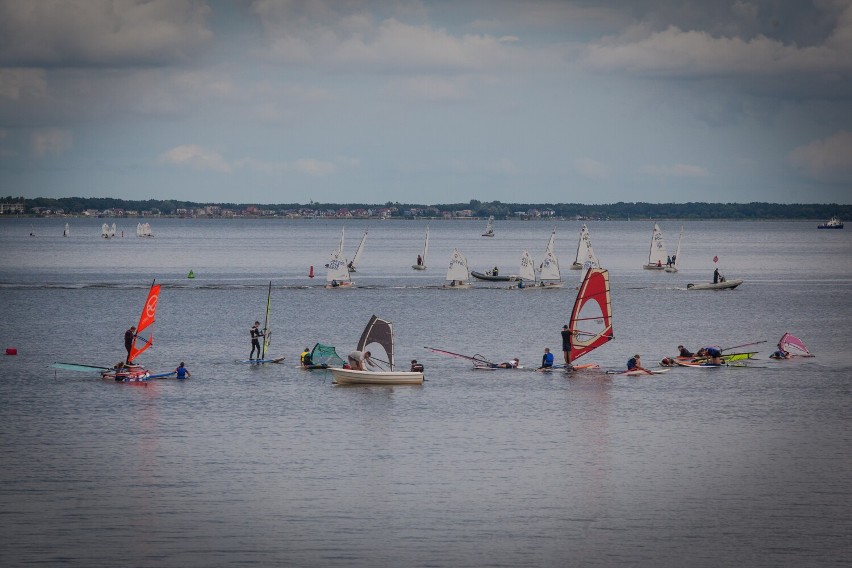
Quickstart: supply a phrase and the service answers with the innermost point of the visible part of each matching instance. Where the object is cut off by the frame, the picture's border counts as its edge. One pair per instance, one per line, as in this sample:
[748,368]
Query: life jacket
[417,368]
[631,363]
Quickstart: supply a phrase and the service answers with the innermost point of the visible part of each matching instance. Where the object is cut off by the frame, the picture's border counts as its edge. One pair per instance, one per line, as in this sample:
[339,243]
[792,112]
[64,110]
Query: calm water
[277,466]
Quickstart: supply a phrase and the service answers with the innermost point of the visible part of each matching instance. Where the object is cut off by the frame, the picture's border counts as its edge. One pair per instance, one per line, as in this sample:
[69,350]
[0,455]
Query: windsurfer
[305,358]
[182,372]
[635,364]
[256,333]
[546,359]
[567,335]
[780,354]
[684,352]
[128,342]
[358,358]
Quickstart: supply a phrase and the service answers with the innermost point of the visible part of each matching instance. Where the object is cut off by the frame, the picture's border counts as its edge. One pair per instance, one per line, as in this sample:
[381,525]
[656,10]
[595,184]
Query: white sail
[139,230]
[550,269]
[337,270]
[112,230]
[67,231]
[585,258]
[489,228]
[458,272]
[105,231]
[422,264]
[340,248]
[353,264]
[527,269]
[146,230]
[673,266]
[657,253]
[550,242]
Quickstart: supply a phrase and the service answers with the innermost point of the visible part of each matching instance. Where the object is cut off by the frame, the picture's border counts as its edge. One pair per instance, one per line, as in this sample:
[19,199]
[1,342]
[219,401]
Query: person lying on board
[667,362]
[513,364]
[684,352]
[780,354]
[635,364]
[546,359]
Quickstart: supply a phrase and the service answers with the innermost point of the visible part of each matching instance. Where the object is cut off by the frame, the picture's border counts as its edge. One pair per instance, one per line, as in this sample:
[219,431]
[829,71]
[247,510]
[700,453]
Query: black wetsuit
[128,342]
[255,342]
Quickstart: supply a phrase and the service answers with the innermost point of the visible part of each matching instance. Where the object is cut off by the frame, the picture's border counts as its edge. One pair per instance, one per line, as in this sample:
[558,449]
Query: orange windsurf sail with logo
[145,330]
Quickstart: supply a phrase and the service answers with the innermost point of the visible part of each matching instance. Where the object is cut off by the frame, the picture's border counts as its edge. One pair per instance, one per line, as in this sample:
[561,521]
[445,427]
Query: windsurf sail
[793,345]
[325,355]
[141,341]
[267,333]
[478,360]
[67,231]
[378,331]
[676,257]
[591,317]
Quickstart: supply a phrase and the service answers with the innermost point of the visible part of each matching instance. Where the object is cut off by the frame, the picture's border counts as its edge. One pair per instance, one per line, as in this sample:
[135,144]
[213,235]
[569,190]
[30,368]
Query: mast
[426,246]
[146,321]
[266,330]
[357,258]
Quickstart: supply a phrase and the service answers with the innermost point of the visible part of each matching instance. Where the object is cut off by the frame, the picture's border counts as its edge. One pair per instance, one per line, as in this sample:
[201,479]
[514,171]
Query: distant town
[474,209]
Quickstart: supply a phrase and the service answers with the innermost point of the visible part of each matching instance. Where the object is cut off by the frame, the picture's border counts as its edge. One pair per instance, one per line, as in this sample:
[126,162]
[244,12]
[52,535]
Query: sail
[657,254]
[527,270]
[105,231]
[139,232]
[489,228]
[325,355]
[676,257]
[426,246]
[458,267]
[267,335]
[591,317]
[141,341]
[358,252]
[337,270]
[340,248]
[550,242]
[550,268]
[378,331]
[67,231]
[793,345]
[112,230]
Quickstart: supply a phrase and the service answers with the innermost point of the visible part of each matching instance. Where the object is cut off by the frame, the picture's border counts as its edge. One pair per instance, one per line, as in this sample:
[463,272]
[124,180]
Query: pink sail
[793,345]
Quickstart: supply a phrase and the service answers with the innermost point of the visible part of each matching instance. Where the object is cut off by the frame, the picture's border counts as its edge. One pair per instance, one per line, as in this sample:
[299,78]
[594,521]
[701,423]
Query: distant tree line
[620,210]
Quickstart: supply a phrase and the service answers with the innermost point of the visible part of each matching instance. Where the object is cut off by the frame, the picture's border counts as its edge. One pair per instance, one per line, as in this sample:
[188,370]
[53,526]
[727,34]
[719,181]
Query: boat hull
[653,267]
[353,377]
[727,285]
[341,285]
[418,266]
[481,276]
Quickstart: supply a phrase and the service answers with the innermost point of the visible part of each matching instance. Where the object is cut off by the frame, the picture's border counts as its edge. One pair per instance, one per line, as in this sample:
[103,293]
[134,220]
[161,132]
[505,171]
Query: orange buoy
[311,272]
[11,351]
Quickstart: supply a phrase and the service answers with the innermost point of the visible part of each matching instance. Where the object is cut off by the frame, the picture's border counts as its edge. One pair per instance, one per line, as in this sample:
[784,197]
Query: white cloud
[675,170]
[86,32]
[196,157]
[431,88]
[50,142]
[829,159]
[591,169]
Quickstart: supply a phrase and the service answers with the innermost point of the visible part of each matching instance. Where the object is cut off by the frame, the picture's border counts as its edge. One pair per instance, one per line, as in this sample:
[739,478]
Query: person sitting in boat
[419,260]
[182,372]
[416,367]
[546,359]
[494,271]
[305,358]
[684,352]
[714,355]
[357,360]
[659,263]
[335,284]
[635,364]
[668,261]
[521,284]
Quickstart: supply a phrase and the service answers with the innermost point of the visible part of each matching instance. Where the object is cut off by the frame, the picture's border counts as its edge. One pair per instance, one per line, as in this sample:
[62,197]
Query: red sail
[143,341]
[591,318]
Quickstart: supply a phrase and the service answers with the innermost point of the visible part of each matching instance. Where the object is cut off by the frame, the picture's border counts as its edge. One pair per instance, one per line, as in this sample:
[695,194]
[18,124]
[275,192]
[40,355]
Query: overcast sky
[431,101]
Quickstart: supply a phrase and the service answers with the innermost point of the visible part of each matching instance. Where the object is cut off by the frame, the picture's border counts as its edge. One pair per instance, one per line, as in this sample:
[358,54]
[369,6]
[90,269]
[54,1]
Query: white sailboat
[358,252]
[377,334]
[458,275]
[585,258]
[657,253]
[337,274]
[67,231]
[673,266]
[112,230]
[421,259]
[526,272]
[489,228]
[105,231]
[550,276]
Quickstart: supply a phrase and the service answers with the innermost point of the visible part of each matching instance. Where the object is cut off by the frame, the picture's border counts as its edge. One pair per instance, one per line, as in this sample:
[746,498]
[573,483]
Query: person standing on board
[419,260]
[256,333]
[358,358]
[128,342]
[567,335]
[182,372]
[546,359]
[716,276]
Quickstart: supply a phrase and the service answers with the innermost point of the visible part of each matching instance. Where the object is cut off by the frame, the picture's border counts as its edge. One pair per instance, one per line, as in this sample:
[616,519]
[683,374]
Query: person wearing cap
[128,342]
[635,364]
[256,333]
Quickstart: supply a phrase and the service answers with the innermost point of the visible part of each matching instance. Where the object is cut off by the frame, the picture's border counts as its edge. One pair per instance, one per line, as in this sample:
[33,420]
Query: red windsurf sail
[793,345]
[143,341]
[591,318]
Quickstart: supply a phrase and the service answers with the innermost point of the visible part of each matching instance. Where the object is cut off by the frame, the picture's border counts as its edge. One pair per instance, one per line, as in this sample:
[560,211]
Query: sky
[429,101]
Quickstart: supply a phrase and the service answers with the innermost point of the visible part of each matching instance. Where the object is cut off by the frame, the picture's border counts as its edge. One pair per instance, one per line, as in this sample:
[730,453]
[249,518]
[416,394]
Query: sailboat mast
[266,322]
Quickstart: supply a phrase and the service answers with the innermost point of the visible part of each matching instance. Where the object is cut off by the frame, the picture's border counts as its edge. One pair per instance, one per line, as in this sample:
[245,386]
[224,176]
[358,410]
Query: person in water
[684,352]
[416,367]
[128,342]
[546,359]
[567,336]
[667,362]
[182,372]
[358,358]
[635,364]
[256,333]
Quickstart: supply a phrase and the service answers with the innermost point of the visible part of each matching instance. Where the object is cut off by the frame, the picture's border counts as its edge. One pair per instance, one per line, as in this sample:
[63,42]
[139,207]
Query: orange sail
[591,318]
[143,341]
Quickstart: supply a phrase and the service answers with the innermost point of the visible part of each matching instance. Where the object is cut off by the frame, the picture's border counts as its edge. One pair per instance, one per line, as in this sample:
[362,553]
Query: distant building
[11,208]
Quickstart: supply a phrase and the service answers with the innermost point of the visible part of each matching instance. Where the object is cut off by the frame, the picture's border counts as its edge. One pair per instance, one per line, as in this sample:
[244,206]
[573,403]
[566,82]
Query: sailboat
[337,273]
[67,231]
[526,272]
[267,335]
[377,334]
[657,253]
[105,231]
[421,259]
[112,230]
[591,316]
[673,266]
[143,230]
[550,276]
[458,275]
[489,228]
[792,346]
[358,252]
[585,254]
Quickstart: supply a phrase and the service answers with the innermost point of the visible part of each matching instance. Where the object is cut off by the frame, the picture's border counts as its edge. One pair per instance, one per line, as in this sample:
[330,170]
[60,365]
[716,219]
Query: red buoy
[11,351]
[311,272]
